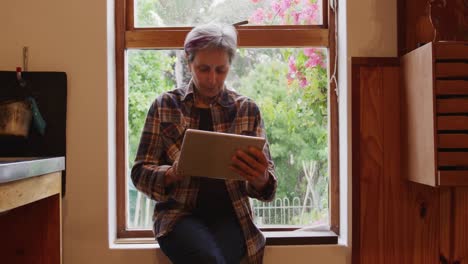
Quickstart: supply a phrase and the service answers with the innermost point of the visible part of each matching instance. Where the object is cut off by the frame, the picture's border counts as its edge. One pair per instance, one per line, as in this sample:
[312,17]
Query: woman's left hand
[252,165]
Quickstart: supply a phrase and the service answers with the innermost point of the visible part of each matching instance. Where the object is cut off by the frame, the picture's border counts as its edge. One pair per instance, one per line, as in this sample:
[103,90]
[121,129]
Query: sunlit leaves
[149,73]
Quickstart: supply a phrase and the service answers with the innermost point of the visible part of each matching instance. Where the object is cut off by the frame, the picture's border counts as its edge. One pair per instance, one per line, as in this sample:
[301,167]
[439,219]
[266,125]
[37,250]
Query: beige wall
[372,28]
[72,36]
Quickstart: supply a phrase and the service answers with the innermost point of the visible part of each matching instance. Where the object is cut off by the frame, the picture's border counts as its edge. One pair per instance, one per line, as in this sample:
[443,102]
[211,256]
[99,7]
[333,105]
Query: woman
[196,219]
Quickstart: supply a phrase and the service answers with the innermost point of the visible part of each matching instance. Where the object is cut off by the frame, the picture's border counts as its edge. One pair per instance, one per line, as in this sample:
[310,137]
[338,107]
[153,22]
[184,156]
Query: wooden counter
[30,220]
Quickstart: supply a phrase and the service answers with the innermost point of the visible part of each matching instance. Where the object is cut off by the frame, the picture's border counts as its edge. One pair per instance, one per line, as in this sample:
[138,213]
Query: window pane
[290,87]
[164,13]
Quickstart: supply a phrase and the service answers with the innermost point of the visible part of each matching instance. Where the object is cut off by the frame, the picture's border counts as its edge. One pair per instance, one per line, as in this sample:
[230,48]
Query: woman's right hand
[171,175]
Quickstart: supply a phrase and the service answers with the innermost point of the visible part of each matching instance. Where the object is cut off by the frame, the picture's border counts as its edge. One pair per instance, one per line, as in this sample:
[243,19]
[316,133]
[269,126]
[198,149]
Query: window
[285,58]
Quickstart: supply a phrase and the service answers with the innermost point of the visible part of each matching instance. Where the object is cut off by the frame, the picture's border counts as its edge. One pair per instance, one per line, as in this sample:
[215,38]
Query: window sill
[278,238]
[285,238]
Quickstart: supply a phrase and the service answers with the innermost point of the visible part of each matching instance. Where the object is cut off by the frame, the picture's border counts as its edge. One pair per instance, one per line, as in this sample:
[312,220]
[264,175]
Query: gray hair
[211,36]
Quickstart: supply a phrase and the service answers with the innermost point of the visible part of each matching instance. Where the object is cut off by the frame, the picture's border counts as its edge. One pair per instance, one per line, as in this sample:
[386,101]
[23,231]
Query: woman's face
[209,70]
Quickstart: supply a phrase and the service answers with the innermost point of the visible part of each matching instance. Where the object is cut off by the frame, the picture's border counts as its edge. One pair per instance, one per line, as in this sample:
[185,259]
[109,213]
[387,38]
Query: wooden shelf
[453,178]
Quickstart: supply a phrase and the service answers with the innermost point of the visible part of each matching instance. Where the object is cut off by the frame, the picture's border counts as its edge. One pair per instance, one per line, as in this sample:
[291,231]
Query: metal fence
[281,211]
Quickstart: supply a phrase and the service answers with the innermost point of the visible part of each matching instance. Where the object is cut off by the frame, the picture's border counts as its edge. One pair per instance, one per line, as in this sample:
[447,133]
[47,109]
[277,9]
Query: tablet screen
[208,154]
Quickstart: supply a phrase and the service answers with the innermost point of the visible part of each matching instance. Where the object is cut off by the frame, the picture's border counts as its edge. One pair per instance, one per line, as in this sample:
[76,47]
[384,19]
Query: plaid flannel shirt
[168,118]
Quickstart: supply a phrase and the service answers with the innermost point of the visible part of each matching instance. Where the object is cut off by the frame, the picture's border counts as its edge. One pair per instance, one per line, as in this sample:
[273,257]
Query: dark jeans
[194,240]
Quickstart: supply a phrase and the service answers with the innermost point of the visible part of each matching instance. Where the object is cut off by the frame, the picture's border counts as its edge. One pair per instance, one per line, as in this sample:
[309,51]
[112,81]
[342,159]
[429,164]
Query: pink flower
[285,4]
[277,9]
[290,78]
[292,64]
[269,15]
[313,61]
[255,1]
[310,14]
[296,16]
[322,63]
[303,82]
[310,63]
[309,52]
[258,16]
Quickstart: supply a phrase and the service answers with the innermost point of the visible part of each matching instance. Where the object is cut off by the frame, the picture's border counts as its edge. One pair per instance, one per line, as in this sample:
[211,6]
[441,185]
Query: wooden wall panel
[460,230]
[454,224]
[422,222]
[445,216]
[392,183]
[371,181]
[394,221]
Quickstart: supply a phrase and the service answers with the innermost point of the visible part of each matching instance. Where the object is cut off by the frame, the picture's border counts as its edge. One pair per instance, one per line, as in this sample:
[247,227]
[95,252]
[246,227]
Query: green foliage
[295,117]
[145,15]
[149,74]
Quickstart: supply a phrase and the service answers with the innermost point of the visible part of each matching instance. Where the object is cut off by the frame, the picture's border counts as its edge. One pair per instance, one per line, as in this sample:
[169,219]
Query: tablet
[209,154]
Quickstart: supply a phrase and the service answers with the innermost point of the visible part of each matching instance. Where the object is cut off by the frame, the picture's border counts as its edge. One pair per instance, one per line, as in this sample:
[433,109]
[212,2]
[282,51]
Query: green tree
[149,74]
[295,116]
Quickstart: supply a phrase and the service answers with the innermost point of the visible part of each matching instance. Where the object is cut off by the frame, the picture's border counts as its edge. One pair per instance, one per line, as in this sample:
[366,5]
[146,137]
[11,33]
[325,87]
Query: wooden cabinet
[435,114]
[30,220]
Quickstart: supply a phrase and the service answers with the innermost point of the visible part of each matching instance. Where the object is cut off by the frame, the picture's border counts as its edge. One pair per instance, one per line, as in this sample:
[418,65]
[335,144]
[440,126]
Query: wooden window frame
[129,37]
